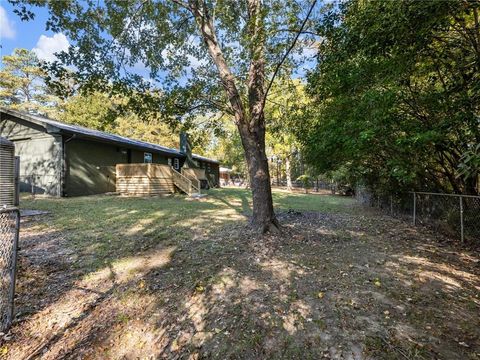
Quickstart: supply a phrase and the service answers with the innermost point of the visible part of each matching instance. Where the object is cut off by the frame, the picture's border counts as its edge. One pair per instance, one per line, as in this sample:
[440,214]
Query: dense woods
[397,96]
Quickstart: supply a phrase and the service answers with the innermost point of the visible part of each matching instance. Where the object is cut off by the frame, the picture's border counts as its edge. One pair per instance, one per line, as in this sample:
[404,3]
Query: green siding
[210,169]
[15,128]
[40,155]
[215,171]
[91,166]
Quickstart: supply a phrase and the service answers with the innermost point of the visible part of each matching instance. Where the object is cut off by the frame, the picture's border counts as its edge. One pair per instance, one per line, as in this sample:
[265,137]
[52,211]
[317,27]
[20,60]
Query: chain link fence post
[414,209]
[455,215]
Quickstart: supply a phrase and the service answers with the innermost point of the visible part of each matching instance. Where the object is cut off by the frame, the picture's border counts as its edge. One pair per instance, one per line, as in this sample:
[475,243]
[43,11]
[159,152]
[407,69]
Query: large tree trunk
[263,215]
[253,142]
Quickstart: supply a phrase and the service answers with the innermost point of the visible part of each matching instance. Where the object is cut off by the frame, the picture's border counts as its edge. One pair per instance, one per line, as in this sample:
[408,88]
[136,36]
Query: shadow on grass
[231,199]
[182,278]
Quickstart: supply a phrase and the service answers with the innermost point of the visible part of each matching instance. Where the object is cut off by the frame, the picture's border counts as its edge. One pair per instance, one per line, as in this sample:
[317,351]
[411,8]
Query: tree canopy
[285,109]
[397,94]
[22,84]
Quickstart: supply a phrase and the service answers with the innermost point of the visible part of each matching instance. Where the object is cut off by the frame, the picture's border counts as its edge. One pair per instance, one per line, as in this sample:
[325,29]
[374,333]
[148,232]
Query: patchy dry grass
[122,278]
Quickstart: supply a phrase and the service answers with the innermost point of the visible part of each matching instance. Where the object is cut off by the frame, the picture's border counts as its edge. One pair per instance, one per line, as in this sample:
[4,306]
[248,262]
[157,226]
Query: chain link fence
[9,228]
[457,216]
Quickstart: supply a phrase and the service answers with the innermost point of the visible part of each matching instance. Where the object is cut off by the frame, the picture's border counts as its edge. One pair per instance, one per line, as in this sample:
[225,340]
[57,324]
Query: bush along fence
[455,215]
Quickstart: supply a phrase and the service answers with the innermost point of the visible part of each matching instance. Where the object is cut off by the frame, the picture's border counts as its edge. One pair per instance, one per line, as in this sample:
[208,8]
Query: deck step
[185,184]
[198,195]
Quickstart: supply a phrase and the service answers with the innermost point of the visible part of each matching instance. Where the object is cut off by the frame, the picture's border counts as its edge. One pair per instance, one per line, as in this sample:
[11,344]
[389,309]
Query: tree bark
[263,217]
[288,170]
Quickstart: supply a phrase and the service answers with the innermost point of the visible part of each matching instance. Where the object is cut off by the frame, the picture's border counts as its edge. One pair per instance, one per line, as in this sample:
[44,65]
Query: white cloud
[7,27]
[47,46]
[195,63]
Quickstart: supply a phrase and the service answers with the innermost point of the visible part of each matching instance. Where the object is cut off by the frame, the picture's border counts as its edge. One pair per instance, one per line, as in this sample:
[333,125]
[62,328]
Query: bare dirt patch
[342,286]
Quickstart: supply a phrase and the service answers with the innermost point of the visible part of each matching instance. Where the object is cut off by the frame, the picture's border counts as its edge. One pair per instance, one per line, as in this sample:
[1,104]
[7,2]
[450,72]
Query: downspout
[64,162]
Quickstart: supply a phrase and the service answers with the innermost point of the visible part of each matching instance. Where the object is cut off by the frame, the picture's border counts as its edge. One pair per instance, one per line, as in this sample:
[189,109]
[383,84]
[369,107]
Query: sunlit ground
[171,277]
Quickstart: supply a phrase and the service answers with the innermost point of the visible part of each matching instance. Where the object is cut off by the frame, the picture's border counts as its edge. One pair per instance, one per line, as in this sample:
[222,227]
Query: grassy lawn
[107,277]
[127,226]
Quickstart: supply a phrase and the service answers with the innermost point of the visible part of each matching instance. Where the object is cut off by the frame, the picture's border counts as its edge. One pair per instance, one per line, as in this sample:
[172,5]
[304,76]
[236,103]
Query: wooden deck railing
[211,180]
[193,179]
[184,183]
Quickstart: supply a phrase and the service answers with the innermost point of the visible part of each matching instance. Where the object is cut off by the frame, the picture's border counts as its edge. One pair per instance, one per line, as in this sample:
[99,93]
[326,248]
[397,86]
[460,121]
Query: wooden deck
[152,179]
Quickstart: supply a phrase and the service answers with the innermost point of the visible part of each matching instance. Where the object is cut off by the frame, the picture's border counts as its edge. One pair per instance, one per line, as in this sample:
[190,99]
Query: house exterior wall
[138,156]
[40,155]
[215,172]
[211,169]
[90,165]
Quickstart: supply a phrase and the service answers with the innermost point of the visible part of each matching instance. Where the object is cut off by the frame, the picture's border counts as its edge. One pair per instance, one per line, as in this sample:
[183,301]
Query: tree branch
[308,32]
[207,30]
[292,45]
[182,4]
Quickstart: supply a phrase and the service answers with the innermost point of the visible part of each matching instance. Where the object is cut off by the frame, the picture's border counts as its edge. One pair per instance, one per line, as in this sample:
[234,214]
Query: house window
[176,164]
[147,158]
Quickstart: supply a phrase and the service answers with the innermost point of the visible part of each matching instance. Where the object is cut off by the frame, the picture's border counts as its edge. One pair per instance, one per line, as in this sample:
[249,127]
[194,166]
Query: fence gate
[9,228]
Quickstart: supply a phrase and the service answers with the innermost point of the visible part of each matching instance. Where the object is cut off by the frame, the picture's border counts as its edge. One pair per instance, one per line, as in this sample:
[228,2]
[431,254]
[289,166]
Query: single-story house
[66,160]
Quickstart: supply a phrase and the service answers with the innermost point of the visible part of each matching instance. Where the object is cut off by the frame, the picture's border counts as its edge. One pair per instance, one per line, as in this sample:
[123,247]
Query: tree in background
[237,47]
[98,110]
[285,108]
[94,111]
[22,85]
[397,94]
[229,150]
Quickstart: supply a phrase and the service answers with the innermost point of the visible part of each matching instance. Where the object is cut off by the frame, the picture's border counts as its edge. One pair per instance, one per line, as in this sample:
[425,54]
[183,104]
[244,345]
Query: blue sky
[29,35]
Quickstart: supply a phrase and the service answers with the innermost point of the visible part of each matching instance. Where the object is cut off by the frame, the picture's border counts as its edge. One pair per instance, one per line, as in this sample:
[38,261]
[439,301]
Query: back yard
[124,278]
